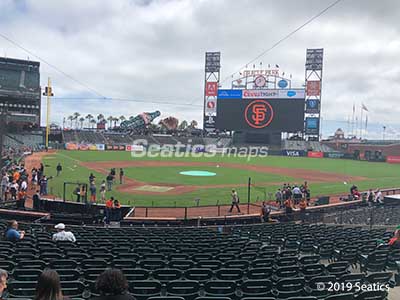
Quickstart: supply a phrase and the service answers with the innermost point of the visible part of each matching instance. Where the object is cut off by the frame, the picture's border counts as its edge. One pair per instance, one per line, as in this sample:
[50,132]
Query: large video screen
[285,115]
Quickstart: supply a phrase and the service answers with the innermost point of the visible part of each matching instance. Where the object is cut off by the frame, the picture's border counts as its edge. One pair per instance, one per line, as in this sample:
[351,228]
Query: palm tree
[110,119]
[92,122]
[183,125]
[115,120]
[193,124]
[76,116]
[122,118]
[81,120]
[89,117]
[100,117]
[70,118]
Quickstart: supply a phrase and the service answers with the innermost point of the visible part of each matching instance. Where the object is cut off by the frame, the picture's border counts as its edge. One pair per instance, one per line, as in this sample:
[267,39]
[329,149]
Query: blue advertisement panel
[229,94]
[293,153]
[312,125]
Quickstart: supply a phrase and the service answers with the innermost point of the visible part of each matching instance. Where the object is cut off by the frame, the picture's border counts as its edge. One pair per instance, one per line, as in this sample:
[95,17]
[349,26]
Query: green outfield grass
[381,175]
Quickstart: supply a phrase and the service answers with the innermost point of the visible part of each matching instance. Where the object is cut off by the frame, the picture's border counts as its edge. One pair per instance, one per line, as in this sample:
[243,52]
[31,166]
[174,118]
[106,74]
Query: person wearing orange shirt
[108,209]
[16,176]
[303,206]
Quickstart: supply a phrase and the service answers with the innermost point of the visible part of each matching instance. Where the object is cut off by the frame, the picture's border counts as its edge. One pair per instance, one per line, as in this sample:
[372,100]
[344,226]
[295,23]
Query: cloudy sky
[153,51]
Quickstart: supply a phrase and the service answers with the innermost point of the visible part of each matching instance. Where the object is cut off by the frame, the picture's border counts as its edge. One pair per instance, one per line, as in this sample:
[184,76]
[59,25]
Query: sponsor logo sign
[229,94]
[274,94]
[292,153]
[211,89]
[313,88]
[315,154]
[393,159]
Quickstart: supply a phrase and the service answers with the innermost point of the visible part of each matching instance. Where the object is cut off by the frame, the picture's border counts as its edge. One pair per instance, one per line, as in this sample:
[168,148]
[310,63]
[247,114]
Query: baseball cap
[60,226]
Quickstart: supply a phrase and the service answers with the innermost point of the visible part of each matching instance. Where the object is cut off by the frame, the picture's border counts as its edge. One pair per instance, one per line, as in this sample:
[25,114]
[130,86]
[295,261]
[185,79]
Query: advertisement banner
[115,147]
[293,153]
[100,147]
[71,146]
[393,159]
[333,154]
[211,89]
[209,122]
[312,106]
[312,125]
[134,148]
[211,106]
[315,154]
[313,88]
[229,94]
[274,94]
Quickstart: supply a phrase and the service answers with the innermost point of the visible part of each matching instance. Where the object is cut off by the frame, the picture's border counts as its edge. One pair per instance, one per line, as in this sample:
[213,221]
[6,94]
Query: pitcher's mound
[153,188]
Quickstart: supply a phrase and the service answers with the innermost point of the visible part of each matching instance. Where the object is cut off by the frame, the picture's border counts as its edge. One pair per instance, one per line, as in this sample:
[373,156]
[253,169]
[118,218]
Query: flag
[277,66]
[254,66]
[364,107]
[269,66]
[354,108]
[260,63]
[283,74]
[366,122]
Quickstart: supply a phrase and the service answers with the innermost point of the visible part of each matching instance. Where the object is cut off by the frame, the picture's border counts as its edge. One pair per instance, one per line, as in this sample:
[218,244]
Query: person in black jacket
[112,285]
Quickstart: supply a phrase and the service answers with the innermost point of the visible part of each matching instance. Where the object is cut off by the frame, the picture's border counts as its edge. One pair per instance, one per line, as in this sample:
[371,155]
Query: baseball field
[157,181]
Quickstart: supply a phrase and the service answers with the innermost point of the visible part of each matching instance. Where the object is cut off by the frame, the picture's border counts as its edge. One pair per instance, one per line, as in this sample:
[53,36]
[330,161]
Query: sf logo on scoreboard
[259,114]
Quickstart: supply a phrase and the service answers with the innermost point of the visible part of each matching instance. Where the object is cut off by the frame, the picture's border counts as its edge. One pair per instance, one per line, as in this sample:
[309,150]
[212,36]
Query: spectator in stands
[41,170]
[265,212]
[279,198]
[43,185]
[108,210]
[103,191]
[77,192]
[59,169]
[121,175]
[3,282]
[24,185]
[36,201]
[116,211]
[91,177]
[63,235]
[34,178]
[12,233]
[235,201]
[288,206]
[303,207]
[112,285]
[48,286]
[4,187]
[378,197]
[14,190]
[92,189]
[370,196]
[354,192]
[110,179]
[297,194]
[395,240]
[83,193]
[21,199]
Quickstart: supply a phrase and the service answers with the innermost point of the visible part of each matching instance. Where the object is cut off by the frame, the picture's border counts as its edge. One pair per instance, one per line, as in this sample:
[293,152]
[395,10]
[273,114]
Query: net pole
[248,195]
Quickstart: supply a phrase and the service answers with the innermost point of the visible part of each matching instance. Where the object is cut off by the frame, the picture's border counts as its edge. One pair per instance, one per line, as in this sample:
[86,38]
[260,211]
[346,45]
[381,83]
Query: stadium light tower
[48,92]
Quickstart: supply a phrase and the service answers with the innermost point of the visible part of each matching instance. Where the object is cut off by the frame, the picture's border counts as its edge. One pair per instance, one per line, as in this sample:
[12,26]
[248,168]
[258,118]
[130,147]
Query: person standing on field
[103,191]
[59,169]
[235,201]
[121,175]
